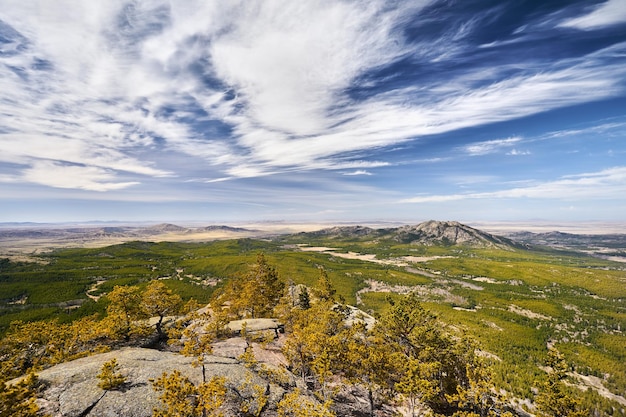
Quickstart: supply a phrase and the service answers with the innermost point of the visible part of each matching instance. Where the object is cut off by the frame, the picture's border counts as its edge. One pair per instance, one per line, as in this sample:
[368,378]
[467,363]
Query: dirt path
[93,288]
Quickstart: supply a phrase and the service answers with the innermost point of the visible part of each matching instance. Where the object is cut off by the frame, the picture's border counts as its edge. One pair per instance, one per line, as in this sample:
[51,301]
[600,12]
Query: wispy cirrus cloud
[490,146]
[255,88]
[605,129]
[358,172]
[607,13]
[605,184]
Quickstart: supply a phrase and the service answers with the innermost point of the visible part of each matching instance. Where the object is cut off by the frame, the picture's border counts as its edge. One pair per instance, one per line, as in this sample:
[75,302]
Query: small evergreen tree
[294,404]
[110,378]
[33,345]
[304,300]
[324,289]
[252,406]
[159,301]
[430,365]
[199,336]
[367,362]
[123,312]
[254,294]
[553,399]
[181,398]
[315,345]
[18,400]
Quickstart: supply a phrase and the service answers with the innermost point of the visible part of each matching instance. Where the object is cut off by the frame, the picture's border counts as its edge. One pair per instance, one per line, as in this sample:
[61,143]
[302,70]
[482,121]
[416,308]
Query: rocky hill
[164,228]
[449,233]
[427,233]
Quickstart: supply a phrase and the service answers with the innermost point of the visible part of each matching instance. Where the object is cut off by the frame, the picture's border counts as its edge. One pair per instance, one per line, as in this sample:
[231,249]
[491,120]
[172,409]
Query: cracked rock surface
[71,389]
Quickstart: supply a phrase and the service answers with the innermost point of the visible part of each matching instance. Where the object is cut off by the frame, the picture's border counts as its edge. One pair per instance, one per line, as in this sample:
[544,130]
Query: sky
[313,110]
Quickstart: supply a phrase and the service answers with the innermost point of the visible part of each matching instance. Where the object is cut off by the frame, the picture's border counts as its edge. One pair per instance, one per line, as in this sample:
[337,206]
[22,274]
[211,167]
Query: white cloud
[124,80]
[24,149]
[609,13]
[517,152]
[67,176]
[358,172]
[604,129]
[605,184]
[490,146]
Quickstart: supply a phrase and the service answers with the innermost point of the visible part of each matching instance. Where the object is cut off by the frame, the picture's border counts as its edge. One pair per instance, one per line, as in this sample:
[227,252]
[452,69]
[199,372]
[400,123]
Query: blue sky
[314,110]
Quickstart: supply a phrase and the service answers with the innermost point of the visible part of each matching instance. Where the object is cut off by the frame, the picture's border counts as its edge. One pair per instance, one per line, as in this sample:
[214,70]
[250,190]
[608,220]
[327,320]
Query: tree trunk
[159,328]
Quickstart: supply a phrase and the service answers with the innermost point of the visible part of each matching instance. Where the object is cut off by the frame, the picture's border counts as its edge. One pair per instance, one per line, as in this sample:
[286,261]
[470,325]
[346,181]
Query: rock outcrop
[71,389]
[449,233]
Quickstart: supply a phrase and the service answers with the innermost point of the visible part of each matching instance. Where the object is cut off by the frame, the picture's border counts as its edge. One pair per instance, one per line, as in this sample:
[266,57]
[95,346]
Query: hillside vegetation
[517,303]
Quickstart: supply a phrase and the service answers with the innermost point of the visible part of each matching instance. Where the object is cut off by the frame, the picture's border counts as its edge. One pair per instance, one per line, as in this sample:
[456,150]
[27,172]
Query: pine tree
[294,404]
[324,289]
[38,344]
[123,312]
[553,399]
[267,286]
[110,378]
[254,294]
[304,300]
[159,301]
[18,400]
[181,398]
[198,337]
[253,405]
[315,345]
[418,382]
[431,366]
[367,362]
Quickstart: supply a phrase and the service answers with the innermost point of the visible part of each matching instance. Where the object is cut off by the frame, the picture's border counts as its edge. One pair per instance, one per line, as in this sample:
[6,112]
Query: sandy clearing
[485,279]
[420,259]
[402,261]
[351,255]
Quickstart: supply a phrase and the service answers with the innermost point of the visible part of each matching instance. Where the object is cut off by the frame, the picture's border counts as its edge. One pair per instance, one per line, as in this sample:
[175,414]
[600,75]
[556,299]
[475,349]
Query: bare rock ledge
[71,388]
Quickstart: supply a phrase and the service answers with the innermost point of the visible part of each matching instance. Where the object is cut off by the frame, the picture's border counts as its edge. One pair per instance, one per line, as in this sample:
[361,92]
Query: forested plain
[518,305]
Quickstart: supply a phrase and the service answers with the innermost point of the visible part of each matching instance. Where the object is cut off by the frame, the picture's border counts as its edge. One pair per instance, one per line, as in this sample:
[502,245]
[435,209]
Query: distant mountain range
[427,233]
[111,231]
[610,246]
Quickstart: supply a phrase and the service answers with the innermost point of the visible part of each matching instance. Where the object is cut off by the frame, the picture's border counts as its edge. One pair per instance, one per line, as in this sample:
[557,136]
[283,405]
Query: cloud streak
[611,12]
[491,146]
[606,185]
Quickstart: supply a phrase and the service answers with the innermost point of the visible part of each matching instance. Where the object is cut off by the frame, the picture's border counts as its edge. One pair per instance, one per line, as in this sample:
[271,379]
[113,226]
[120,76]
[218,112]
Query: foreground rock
[71,389]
